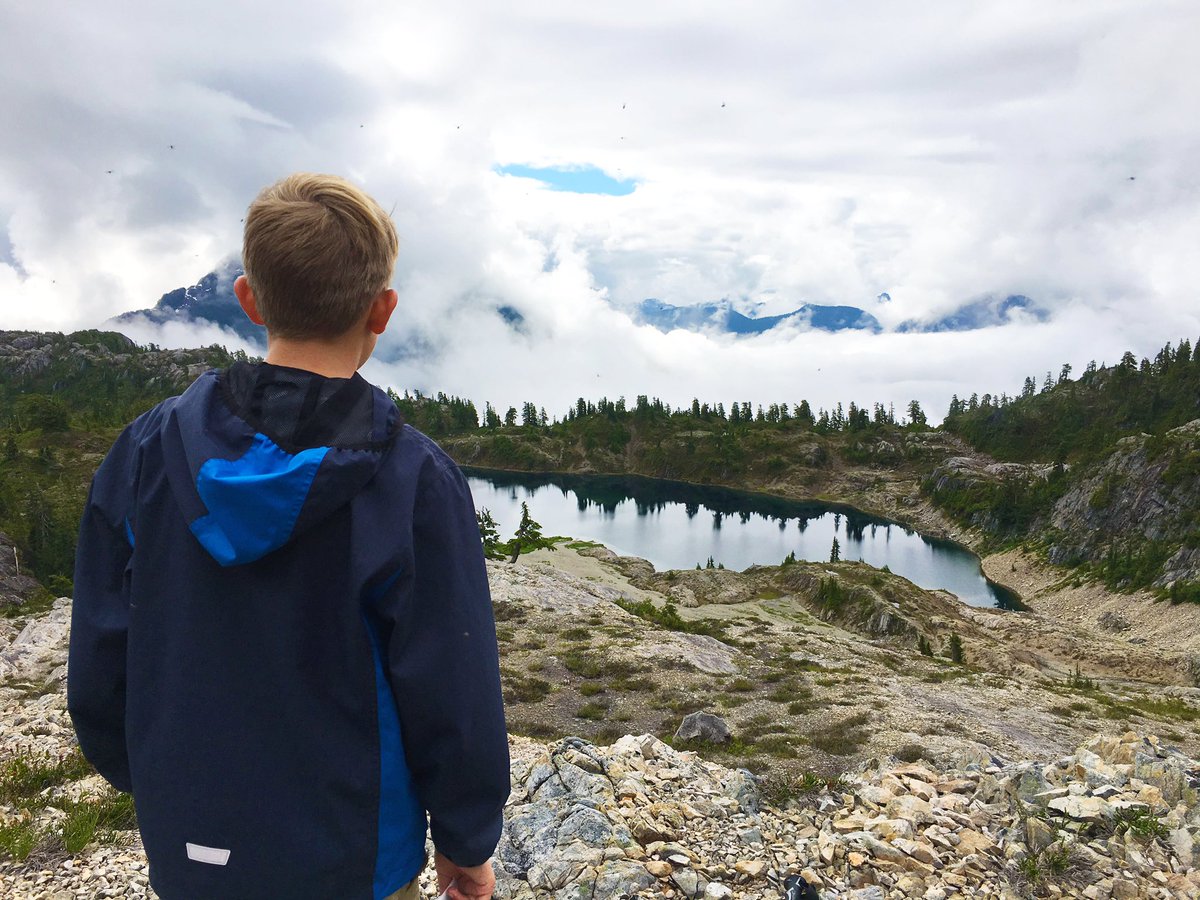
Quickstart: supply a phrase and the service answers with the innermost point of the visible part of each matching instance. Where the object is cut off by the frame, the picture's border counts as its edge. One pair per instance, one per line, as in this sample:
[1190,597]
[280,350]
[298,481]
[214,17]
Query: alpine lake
[676,525]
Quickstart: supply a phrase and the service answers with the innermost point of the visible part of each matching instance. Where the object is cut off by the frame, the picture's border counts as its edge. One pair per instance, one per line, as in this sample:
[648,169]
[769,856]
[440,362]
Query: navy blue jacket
[282,642]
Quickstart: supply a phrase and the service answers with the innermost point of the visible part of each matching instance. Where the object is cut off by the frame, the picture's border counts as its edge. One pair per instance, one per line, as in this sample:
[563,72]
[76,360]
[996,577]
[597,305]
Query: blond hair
[317,251]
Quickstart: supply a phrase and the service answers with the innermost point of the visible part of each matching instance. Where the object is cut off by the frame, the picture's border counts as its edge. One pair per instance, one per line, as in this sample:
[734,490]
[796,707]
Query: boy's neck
[333,360]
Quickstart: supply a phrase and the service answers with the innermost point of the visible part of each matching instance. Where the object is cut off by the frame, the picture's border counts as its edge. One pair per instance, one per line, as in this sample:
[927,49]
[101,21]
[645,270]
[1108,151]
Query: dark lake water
[676,525]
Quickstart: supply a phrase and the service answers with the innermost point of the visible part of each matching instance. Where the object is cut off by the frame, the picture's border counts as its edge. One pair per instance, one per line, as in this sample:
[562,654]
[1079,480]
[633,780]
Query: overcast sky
[782,153]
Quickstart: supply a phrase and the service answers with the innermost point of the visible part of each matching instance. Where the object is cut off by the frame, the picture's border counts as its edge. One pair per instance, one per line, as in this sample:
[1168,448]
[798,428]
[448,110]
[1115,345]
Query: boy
[282,639]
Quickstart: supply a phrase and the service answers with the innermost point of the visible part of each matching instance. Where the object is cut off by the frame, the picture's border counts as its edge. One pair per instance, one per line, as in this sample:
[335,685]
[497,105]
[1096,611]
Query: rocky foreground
[1118,818]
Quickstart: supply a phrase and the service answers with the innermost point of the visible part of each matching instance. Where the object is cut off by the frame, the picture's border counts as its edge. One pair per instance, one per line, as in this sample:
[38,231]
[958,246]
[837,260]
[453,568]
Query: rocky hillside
[1130,518]
[851,759]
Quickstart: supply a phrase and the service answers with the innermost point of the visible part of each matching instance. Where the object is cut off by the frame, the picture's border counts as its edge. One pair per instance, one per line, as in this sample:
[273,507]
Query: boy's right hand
[464,882]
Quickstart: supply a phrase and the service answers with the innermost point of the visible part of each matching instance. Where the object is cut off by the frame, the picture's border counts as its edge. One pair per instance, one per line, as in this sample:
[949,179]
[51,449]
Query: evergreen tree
[835,552]
[916,415]
[528,536]
[489,533]
[510,417]
[954,648]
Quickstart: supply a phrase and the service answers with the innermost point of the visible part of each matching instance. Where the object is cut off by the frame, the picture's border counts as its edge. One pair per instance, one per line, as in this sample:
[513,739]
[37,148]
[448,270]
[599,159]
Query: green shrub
[591,711]
[25,776]
[17,839]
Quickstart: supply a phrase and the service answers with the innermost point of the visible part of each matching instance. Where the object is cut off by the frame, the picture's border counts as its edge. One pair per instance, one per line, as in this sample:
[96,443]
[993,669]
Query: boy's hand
[469,882]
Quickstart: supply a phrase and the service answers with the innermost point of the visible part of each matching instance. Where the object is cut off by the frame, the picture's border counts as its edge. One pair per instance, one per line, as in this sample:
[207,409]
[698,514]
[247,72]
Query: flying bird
[171,146]
[622,106]
[722,106]
[1133,178]
[108,171]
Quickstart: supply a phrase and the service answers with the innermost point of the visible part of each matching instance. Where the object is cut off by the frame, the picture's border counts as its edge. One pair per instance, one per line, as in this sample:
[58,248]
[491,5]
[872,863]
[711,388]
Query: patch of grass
[667,616]
[591,711]
[23,782]
[779,745]
[582,663]
[520,688]
[843,738]
[576,634]
[505,612]
[794,664]
[779,788]
[530,728]
[582,545]
[637,683]
[17,839]
[911,753]
[740,685]
[801,707]
[789,691]
[25,776]
[591,688]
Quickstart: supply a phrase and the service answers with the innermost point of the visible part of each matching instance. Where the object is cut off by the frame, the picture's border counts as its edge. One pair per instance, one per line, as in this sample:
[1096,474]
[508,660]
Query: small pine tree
[10,449]
[489,533]
[954,647]
[528,536]
[710,564]
[835,552]
[923,646]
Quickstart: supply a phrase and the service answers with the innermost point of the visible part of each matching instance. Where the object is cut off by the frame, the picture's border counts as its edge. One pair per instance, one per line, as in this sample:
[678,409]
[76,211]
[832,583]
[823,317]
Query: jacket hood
[258,453]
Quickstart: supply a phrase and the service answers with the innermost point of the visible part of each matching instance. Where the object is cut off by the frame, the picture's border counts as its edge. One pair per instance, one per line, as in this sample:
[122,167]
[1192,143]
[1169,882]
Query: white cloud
[785,152]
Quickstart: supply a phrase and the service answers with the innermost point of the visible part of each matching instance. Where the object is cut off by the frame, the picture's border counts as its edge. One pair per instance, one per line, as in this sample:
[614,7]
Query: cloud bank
[782,153]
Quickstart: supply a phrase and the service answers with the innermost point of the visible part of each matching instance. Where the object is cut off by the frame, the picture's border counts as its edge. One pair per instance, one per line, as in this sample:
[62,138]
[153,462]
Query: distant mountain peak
[210,301]
[723,316]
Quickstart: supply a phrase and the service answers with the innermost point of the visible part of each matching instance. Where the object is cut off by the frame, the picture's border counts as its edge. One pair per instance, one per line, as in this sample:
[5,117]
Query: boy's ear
[245,296]
[382,308]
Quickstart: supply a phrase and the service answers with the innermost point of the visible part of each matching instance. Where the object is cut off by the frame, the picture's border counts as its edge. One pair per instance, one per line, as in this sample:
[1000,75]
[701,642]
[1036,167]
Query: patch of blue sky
[574,179]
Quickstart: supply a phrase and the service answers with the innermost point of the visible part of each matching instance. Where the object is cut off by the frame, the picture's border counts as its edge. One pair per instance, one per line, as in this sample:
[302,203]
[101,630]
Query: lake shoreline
[749,527]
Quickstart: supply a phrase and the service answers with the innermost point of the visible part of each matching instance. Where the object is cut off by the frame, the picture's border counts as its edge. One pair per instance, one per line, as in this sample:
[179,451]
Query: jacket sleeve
[100,620]
[445,672]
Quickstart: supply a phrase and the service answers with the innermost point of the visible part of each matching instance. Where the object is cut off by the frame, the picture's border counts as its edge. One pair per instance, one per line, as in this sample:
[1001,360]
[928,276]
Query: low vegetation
[30,784]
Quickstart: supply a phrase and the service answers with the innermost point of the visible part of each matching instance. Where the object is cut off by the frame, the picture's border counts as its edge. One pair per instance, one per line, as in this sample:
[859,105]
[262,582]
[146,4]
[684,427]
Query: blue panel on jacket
[253,501]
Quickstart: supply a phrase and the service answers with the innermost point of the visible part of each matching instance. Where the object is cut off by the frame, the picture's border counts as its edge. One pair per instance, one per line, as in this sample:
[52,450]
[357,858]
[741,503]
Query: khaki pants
[408,892]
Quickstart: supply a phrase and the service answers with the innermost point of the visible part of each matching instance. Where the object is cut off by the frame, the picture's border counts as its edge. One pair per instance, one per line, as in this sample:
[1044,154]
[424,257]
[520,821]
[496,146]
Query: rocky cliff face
[1146,492]
[1136,511]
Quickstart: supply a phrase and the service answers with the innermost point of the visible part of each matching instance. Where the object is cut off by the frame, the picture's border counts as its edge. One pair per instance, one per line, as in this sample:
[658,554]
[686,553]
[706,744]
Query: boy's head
[317,252]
